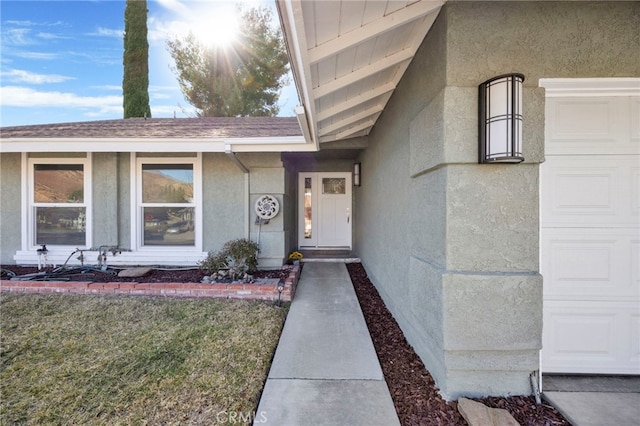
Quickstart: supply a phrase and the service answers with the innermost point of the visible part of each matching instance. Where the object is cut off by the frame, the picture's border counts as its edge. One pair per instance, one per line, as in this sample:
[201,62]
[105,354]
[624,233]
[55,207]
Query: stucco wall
[228,197]
[10,204]
[459,266]
[105,181]
[224,199]
[267,176]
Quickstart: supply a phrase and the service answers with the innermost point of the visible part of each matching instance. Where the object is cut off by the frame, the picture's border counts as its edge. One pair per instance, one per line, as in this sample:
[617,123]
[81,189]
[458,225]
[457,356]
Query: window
[167,201]
[59,200]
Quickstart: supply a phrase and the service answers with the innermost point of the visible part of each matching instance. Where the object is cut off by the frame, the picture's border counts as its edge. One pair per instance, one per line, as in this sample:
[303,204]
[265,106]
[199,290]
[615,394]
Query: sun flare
[216,26]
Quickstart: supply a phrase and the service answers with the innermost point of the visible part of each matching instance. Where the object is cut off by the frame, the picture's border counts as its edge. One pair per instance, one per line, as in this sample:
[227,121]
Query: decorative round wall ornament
[267,207]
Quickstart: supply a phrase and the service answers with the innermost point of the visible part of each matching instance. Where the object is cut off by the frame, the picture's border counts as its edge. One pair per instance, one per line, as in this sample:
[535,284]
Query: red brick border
[213,290]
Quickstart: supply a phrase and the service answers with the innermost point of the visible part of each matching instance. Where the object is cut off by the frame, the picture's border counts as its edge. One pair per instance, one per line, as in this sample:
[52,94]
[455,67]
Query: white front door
[325,214]
[590,235]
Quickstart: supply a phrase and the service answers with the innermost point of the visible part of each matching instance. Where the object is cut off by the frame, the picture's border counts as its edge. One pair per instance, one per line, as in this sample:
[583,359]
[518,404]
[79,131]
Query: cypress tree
[135,81]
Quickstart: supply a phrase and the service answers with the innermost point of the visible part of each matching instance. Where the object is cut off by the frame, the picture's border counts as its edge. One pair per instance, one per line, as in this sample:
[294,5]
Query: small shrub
[214,262]
[237,257]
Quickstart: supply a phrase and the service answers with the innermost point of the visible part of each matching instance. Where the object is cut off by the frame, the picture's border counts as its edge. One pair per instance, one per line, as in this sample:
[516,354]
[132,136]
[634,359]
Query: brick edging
[191,290]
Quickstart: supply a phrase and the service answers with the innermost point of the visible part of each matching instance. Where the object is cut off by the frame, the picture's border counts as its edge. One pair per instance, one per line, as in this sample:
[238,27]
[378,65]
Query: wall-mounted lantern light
[356,174]
[500,119]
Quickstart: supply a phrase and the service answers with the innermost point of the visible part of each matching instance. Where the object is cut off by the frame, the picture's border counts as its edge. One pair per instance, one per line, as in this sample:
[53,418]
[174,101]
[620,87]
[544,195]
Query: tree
[135,81]
[242,80]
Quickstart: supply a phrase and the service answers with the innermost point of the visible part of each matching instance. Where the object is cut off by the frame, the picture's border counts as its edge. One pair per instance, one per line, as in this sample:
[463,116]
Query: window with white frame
[59,202]
[168,201]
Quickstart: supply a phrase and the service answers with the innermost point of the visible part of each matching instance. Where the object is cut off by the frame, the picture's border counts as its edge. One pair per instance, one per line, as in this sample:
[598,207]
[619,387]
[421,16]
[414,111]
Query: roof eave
[257,144]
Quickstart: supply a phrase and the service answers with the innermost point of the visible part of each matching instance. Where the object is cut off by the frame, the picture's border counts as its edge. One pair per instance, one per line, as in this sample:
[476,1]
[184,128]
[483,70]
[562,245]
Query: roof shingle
[162,128]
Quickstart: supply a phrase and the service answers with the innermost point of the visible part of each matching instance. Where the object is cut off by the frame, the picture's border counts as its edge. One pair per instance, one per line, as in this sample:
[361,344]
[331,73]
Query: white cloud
[16,37]
[50,36]
[22,76]
[108,87]
[36,55]
[174,6]
[17,96]
[108,32]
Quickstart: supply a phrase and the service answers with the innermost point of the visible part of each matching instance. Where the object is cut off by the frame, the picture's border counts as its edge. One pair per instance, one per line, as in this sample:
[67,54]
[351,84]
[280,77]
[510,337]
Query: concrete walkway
[325,370]
[595,400]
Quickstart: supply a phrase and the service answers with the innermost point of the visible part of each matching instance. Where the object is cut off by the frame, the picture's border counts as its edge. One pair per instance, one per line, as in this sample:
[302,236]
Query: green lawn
[76,359]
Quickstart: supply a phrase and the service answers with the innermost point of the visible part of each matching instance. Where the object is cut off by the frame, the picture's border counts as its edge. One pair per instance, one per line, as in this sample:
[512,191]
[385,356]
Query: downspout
[232,156]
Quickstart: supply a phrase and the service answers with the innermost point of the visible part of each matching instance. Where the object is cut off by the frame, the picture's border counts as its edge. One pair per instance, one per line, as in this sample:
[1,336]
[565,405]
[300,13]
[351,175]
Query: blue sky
[61,61]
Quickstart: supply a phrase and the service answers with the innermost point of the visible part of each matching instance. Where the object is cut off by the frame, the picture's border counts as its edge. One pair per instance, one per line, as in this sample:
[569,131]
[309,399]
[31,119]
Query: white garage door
[590,232]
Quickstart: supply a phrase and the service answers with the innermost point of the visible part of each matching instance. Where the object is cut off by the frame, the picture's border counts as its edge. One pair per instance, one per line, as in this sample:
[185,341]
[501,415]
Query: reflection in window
[168,205]
[169,226]
[333,185]
[167,183]
[61,225]
[307,208]
[59,211]
[58,183]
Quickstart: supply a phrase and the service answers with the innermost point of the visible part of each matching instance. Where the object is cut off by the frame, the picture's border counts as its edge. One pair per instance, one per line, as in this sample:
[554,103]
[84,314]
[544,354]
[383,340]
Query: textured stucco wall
[228,197]
[10,204]
[105,193]
[124,197]
[459,265]
[267,176]
[223,194]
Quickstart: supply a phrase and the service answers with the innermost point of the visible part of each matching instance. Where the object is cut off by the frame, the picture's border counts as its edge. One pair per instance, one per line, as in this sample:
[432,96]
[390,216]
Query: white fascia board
[577,87]
[290,143]
[293,27]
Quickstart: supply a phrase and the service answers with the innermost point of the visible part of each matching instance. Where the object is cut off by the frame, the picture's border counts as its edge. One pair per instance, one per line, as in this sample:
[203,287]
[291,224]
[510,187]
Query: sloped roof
[161,128]
[211,134]
[347,58]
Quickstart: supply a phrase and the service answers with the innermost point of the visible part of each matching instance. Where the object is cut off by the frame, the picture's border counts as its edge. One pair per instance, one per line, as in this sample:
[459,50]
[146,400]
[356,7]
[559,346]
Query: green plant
[213,262]
[236,256]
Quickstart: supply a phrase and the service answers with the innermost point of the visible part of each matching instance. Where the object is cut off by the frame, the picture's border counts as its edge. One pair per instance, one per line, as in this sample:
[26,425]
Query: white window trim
[137,233]
[28,226]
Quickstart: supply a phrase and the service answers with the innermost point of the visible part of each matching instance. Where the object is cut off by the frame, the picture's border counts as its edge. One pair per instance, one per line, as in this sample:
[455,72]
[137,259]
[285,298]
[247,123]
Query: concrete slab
[597,408]
[325,335]
[326,402]
[590,383]
[325,370]
[325,345]
[333,270]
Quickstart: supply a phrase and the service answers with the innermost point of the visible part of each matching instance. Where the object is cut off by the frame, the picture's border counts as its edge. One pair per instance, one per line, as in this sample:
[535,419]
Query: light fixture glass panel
[500,119]
[498,99]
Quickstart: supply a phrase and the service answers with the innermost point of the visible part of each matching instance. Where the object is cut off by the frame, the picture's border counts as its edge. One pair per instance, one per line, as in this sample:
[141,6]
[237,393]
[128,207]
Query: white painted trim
[580,87]
[57,256]
[28,223]
[293,26]
[314,243]
[275,144]
[24,205]
[133,206]
[137,204]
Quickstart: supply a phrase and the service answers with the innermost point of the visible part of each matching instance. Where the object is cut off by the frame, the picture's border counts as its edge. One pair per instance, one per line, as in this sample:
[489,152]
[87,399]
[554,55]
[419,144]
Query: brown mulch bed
[173,275]
[413,390]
